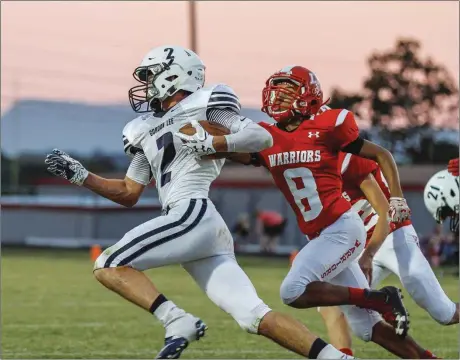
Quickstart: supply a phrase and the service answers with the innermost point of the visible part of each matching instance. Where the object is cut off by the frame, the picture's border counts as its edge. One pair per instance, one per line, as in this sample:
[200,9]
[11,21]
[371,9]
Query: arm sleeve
[228,118]
[253,138]
[246,136]
[139,170]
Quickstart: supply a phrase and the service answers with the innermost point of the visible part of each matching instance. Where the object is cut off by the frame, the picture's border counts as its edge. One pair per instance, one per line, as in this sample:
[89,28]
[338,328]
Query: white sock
[330,352]
[167,312]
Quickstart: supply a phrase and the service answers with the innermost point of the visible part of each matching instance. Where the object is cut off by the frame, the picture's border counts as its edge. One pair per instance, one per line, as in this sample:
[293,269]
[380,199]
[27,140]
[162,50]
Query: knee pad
[250,320]
[361,321]
[291,290]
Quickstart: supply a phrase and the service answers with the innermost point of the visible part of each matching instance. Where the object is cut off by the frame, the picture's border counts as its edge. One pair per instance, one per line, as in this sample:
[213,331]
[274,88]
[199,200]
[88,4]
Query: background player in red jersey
[304,164]
[366,189]
[453,167]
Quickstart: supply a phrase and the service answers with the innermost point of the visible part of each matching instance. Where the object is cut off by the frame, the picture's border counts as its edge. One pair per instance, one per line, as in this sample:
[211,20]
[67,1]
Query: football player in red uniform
[303,162]
[397,252]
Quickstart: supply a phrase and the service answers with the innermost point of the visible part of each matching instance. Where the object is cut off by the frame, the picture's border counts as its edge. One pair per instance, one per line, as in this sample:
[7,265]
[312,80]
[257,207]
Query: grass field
[52,307]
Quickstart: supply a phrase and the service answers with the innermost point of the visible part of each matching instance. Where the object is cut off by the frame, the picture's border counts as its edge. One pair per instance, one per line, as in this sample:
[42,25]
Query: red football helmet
[294,90]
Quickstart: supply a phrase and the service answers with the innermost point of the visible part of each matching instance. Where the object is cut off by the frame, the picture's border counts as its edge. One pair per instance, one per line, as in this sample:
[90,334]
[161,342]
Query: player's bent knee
[436,303]
[362,331]
[291,290]
[361,321]
[101,261]
[250,320]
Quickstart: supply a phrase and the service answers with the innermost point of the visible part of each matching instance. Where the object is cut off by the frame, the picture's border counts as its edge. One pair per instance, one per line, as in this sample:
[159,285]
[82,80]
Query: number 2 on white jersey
[303,178]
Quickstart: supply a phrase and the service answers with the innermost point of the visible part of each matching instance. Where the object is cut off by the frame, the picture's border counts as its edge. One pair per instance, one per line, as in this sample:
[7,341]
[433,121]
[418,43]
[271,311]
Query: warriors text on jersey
[177,173]
[304,166]
[354,171]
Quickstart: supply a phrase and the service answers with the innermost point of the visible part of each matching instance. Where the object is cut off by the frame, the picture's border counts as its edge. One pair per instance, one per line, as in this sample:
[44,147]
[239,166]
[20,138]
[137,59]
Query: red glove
[453,167]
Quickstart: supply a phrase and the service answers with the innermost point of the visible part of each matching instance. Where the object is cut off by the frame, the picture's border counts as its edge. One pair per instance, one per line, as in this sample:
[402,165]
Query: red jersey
[304,166]
[355,170]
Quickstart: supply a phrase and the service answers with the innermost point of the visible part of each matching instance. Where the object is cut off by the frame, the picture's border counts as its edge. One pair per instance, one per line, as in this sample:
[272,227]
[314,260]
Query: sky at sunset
[87,51]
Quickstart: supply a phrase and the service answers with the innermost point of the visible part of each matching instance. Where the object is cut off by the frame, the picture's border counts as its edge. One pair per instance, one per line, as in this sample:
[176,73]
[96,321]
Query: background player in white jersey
[397,252]
[190,232]
[441,196]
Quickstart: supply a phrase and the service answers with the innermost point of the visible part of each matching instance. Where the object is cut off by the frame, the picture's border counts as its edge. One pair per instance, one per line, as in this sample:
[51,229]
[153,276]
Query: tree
[403,89]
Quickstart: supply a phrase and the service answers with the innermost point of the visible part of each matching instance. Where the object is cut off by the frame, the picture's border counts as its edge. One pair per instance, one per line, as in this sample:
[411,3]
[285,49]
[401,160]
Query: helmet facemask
[451,201]
[158,82]
[443,212]
[286,97]
[448,207]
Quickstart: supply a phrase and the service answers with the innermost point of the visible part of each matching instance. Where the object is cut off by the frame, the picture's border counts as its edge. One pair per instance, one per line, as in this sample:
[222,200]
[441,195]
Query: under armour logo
[313,133]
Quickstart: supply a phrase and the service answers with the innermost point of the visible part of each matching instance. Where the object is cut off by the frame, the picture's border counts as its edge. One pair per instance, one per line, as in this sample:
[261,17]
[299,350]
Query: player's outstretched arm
[250,139]
[245,137]
[125,192]
[378,201]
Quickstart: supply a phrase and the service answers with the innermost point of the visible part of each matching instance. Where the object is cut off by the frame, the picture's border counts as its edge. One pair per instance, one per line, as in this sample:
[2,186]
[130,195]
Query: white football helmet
[441,198]
[164,71]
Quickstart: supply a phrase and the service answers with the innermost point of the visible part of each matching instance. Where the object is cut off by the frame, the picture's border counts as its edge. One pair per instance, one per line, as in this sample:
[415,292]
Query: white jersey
[178,174]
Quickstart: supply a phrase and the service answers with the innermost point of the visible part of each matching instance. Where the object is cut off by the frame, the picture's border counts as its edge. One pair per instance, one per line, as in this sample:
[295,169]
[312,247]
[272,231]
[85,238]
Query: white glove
[399,210]
[200,143]
[61,164]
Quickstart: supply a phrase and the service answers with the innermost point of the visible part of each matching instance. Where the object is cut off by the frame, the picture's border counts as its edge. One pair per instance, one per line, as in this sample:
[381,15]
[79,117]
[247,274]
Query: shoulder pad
[133,134]
[333,117]
[222,96]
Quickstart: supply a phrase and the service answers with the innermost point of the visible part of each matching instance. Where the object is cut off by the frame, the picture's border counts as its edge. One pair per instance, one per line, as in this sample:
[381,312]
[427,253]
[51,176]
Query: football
[212,128]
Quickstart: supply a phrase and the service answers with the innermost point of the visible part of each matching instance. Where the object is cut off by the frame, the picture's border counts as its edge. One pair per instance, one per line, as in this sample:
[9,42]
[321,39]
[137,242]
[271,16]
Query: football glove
[61,164]
[199,143]
[399,210]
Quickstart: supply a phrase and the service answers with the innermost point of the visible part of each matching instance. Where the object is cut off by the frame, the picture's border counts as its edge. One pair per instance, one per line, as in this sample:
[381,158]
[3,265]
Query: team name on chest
[160,127]
[294,157]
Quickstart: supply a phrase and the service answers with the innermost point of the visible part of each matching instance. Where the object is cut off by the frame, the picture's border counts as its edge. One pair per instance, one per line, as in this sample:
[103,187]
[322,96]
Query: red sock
[347,351]
[356,296]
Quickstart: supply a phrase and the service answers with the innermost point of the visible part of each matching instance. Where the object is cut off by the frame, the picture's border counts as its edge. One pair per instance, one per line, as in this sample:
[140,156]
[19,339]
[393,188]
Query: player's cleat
[173,348]
[174,345]
[388,302]
[398,316]
[428,355]
[346,357]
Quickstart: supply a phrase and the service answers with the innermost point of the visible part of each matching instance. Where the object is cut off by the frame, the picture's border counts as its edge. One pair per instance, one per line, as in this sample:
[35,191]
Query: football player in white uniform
[190,231]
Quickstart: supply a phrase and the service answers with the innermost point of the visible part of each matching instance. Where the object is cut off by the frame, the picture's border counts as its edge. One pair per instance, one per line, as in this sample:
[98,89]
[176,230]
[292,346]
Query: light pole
[192,25]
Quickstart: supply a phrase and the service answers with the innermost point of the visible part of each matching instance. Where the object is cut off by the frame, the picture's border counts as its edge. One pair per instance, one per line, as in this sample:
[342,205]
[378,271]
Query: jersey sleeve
[223,97]
[345,130]
[355,169]
[224,109]
[139,170]
[132,136]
